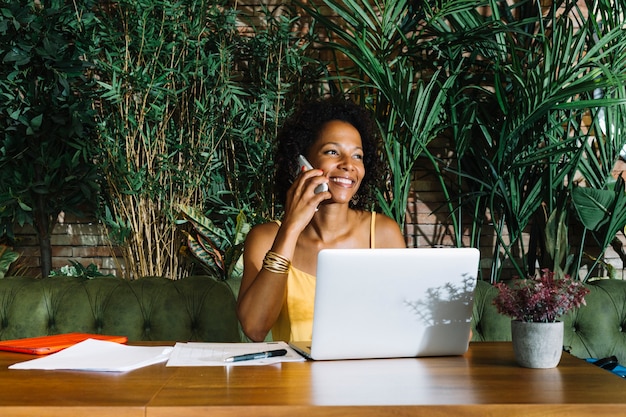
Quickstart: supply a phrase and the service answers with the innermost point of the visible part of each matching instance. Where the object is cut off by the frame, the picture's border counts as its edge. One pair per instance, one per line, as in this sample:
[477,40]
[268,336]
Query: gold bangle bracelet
[278,264]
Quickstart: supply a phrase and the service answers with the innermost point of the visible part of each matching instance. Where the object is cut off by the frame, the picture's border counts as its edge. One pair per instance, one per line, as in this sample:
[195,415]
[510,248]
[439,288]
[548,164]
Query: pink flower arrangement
[542,298]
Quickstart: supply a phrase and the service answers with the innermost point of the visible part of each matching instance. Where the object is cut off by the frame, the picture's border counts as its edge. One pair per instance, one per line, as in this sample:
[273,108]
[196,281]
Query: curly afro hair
[300,131]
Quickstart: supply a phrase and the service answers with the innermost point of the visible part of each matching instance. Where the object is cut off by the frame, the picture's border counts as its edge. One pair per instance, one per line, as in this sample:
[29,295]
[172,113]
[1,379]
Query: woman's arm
[262,292]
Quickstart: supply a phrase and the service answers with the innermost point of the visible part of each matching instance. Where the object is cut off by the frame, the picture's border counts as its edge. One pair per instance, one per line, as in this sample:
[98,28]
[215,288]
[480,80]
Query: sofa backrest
[595,330]
[196,308]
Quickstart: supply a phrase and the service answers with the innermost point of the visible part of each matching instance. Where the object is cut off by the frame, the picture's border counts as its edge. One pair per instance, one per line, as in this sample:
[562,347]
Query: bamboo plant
[190,105]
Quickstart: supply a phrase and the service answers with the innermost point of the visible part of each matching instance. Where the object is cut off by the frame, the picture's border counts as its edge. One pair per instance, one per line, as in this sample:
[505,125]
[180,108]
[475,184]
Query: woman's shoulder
[260,237]
[384,220]
[265,229]
[388,233]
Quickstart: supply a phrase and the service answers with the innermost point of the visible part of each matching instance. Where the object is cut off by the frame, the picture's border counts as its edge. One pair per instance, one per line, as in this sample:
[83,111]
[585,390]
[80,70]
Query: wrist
[276,263]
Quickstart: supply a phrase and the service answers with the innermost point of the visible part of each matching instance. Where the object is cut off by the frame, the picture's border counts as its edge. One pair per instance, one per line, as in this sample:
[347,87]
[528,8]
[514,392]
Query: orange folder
[44,345]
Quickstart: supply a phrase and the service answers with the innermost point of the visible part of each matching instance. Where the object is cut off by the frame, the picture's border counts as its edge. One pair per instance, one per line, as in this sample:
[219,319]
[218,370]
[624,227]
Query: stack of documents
[106,356]
[99,355]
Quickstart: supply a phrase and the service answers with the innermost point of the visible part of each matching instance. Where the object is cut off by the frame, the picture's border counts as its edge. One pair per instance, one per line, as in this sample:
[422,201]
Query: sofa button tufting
[114,305]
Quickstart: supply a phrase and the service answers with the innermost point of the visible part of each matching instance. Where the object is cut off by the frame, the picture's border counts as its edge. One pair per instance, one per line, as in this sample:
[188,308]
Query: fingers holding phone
[306,166]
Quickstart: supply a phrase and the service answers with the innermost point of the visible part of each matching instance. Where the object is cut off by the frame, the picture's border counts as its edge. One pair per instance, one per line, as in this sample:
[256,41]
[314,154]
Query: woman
[280,258]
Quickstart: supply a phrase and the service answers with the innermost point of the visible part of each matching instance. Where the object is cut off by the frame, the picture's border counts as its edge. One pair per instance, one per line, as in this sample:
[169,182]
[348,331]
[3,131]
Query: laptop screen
[381,303]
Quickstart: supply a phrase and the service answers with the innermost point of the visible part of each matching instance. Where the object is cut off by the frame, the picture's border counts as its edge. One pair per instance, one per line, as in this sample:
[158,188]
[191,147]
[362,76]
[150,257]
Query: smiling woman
[338,154]
[299,134]
[280,258]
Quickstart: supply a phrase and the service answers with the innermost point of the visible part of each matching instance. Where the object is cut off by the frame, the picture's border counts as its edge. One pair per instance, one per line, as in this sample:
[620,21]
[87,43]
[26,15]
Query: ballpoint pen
[258,355]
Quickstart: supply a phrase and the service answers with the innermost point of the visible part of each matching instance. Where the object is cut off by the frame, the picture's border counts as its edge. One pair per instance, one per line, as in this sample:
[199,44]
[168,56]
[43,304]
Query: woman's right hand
[302,203]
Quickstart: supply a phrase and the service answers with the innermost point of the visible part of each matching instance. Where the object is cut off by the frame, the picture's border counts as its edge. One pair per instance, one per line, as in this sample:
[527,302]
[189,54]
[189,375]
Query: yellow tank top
[295,321]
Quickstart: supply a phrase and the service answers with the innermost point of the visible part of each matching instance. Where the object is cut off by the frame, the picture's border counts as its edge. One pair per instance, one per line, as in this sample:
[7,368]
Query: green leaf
[593,206]
[7,257]
[35,122]
[24,206]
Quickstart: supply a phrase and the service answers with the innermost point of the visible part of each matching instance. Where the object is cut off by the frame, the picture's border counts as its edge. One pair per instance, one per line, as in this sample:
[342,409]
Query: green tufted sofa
[596,330]
[200,308]
[197,308]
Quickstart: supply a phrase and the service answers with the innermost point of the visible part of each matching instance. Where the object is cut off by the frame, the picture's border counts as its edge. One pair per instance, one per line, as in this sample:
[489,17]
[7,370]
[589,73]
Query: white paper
[99,355]
[214,354]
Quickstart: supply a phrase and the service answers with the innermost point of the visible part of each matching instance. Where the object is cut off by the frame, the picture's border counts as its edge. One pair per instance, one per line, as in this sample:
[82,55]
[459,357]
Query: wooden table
[485,381]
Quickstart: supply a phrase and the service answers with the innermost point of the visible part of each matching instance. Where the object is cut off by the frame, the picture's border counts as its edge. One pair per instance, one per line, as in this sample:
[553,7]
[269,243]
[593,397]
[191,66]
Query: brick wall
[76,239]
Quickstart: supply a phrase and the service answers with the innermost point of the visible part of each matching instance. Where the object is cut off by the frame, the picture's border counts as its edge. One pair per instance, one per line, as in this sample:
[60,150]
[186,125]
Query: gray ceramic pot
[537,345]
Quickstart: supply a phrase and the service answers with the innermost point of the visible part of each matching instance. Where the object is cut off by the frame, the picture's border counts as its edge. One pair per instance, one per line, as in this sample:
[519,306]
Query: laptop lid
[386,303]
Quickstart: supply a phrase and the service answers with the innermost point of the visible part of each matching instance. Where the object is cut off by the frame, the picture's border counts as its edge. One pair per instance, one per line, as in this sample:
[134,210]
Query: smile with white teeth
[345,181]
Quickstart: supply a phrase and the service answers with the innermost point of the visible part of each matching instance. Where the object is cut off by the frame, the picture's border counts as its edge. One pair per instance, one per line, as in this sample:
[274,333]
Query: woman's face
[338,151]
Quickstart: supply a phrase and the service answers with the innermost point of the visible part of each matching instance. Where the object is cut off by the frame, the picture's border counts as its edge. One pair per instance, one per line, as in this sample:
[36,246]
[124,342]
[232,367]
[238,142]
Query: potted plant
[535,305]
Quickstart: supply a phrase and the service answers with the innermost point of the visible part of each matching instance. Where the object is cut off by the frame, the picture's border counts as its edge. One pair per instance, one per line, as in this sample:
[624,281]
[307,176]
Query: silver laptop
[389,303]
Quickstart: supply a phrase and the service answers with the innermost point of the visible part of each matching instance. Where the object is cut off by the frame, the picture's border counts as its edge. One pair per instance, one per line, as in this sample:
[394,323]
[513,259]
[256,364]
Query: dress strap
[373,231]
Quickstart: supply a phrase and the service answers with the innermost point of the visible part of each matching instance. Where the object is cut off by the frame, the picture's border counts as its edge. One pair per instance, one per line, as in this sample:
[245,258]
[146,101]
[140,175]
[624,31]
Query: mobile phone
[302,161]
